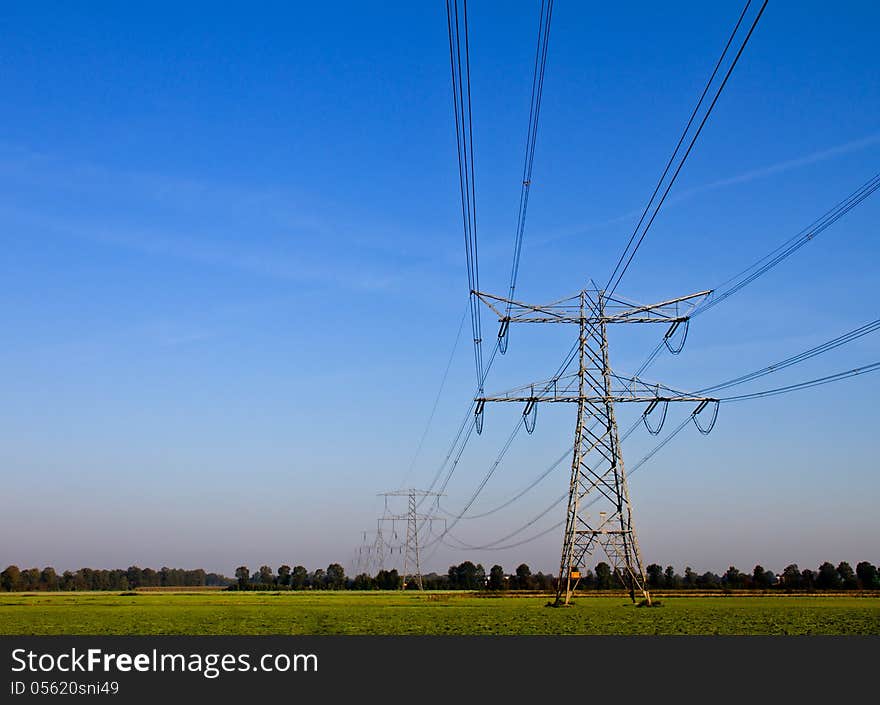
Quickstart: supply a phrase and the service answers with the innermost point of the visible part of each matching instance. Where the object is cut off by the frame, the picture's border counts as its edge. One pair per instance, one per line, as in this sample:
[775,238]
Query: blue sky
[233,273]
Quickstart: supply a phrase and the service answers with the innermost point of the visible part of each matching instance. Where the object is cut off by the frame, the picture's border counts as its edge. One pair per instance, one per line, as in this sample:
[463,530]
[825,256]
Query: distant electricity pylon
[595,389]
[411,566]
[371,555]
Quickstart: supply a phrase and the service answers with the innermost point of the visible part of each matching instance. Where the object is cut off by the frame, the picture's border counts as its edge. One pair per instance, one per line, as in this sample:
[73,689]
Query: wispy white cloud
[252,210]
[279,263]
[265,231]
[181,194]
[787,165]
[745,177]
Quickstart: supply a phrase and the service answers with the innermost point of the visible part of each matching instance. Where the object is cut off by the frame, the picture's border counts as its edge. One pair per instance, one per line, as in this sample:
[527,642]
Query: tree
[299,576]
[388,579]
[733,578]
[690,578]
[79,581]
[335,576]
[757,576]
[135,576]
[318,580]
[266,575]
[243,574]
[808,579]
[284,575]
[363,582]
[671,581]
[151,578]
[847,576]
[791,577]
[655,575]
[827,579]
[10,579]
[588,580]
[762,579]
[540,581]
[496,578]
[49,579]
[523,577]
[432,581]
[466,576]
[30,579]
[217,580]
[868,576]
[603,576]
[709,580]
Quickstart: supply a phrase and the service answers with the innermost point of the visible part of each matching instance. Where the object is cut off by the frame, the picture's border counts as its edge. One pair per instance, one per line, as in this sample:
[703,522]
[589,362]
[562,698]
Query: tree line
[14,580]
[464,576]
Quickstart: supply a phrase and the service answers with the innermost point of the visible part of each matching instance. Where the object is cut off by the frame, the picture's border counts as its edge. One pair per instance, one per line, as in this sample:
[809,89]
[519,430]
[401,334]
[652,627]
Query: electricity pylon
[411,566]
[595,389]
[371,556]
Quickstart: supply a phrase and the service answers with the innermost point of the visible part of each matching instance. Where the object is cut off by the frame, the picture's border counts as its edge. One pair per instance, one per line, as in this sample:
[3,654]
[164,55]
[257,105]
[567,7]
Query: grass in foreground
[426,613]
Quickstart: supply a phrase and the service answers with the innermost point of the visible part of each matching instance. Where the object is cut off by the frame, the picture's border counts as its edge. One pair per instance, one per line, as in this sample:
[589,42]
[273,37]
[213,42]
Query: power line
[465,429]
[684,133]
[766,263]
[470,427]
[534,483]
[492,468]
[436,400]
[567,454]
[873,367]
[459,441]
[837,342]
[522,542]
[457,26]
[528,488]
[775,257]
[613,281]
[494,545]
[467,425]
[531,141]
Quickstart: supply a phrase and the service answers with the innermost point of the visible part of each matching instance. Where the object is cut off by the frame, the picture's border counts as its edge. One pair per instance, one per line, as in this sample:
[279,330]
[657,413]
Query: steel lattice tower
[597,469]
[371,556]
[411,565]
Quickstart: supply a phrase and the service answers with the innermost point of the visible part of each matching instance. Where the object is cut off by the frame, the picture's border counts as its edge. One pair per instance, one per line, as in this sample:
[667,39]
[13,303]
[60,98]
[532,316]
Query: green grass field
[426,613]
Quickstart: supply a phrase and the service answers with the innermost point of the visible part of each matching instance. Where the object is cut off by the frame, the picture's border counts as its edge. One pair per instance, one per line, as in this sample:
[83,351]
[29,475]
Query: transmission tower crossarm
[664,311]
[575,398]
[569,310]
[562,389]
[404,517]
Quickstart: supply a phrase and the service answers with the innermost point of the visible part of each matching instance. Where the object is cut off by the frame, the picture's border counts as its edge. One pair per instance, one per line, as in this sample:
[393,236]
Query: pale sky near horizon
[233,272]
